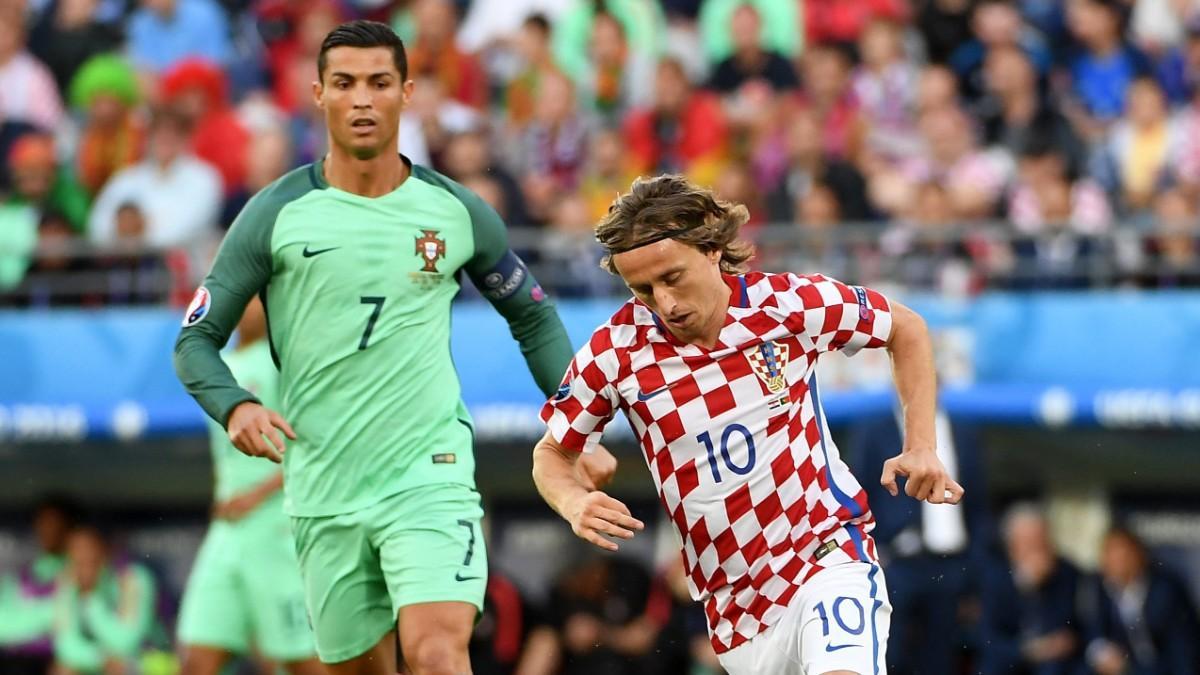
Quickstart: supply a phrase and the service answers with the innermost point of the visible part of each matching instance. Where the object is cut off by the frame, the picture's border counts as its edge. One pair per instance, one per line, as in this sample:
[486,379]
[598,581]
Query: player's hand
[254,430]
[595,469]
[594,515]
[927,478]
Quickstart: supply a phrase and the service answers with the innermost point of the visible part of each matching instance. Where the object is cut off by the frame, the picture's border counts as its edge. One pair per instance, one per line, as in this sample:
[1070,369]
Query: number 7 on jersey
[378,302]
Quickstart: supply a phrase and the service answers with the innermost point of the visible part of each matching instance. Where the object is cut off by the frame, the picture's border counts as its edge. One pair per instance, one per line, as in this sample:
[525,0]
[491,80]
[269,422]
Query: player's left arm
[838,317]
[502,277]
[916,384]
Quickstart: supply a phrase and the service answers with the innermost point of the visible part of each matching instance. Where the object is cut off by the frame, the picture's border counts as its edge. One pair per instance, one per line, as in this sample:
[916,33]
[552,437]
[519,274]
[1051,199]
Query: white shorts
[838,620]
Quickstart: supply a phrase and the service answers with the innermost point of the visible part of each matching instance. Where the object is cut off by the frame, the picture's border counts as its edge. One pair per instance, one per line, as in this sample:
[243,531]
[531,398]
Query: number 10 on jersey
[728,434]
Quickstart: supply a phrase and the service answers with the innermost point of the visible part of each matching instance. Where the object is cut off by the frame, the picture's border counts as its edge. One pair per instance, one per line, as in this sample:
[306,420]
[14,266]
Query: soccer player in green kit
[357,259]
[244,595]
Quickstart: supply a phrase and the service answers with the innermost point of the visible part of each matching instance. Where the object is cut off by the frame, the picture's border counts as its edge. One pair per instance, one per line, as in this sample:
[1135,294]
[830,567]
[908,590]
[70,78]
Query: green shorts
[360,568]
[245,595]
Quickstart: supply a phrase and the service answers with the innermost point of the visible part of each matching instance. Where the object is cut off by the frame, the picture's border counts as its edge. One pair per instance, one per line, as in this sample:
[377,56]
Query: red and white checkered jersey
[735,437]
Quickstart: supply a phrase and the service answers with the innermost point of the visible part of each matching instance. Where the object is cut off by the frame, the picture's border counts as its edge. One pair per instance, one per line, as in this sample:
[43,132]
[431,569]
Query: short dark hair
[364,35]
[538,21]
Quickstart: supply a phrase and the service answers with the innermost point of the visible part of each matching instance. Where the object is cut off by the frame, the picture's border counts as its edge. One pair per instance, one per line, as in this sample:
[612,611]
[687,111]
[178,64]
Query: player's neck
[372,177]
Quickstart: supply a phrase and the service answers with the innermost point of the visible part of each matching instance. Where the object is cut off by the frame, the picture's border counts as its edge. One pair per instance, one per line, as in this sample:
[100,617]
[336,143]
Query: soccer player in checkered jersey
[714,367]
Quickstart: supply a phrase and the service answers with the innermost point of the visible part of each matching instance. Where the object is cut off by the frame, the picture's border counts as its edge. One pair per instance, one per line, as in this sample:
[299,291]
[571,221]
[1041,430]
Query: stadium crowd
[132,131]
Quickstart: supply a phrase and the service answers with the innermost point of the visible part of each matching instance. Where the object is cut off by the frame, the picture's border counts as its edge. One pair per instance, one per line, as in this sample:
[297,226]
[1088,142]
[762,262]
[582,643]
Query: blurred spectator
[500,629]
[164,32]
[780,27]
[268,157]
[617,77]
[292,33]
[683,132]
[196,91]
[435,54]
[438,118]
[1138,155]
[597,620]
[1033,613]
[1049,196]
[36,583]
[104,609]
[885,86]
[555,145]
[807,166]
[927,253]
[68,34]
[1175,247]
[736,184]
[533,47]
[488,23]
[1147,621]
[973,179]
[18,239]
[683,645]
[827,21]
[39,182]
[606,174]
[568,248]
[1104,65]
[944,25]
[468,156]
[642,21]
[994,23]
[179,195]
[27,89]
[932,554]
[105,90]
[827,92]
[936,88]
[749,60]
[1016,110]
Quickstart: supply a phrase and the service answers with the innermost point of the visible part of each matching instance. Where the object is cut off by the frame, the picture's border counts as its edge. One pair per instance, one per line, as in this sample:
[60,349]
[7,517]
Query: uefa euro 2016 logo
[769,361]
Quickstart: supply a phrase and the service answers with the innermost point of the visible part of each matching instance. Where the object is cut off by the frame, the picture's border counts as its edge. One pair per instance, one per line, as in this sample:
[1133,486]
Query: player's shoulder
[627,329]
[291,186]
[444,183]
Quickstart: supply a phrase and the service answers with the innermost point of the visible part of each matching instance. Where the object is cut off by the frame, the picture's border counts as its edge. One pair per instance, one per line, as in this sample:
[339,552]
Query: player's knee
[436,655]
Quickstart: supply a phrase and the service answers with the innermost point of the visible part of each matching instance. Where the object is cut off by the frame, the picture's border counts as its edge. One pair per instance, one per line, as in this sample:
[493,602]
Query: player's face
[362,96]
[679,283]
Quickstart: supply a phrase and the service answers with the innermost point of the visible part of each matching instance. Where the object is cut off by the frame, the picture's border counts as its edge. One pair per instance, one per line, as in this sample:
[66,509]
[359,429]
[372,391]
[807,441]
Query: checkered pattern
[749,476]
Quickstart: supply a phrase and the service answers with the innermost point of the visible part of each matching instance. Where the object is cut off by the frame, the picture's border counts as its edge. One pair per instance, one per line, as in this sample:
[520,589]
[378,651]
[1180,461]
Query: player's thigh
[775,650]
[214,612]
[344,587]
[434,636]
[845,618]
[275,590]
[201,660]
[431,546]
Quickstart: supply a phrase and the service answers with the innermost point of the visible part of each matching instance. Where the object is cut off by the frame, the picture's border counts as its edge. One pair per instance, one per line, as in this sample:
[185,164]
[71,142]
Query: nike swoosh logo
[643,396]
[834,648]
[308,254]
[459,577]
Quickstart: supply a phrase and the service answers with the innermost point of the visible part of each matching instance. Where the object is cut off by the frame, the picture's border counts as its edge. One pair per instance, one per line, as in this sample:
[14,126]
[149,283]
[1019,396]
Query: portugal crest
[431,249]
[769,361]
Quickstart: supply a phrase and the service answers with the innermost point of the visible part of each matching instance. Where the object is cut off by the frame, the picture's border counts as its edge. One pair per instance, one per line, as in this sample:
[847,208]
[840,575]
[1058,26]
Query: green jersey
[357,293]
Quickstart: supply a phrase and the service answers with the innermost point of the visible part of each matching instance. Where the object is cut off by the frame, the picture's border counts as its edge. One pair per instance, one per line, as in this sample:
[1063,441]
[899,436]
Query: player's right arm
[591,514]
[575,418]
[242,268]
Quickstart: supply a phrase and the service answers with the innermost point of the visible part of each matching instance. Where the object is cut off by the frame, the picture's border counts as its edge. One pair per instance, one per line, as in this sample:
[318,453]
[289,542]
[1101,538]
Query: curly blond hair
[671,207]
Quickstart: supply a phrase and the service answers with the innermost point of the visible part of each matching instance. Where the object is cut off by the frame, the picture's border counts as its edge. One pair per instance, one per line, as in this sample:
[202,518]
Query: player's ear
[317,90]
[406,92]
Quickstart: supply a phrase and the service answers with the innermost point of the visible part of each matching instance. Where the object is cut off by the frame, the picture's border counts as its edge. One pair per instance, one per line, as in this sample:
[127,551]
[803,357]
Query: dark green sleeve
[505,281]
[241,269]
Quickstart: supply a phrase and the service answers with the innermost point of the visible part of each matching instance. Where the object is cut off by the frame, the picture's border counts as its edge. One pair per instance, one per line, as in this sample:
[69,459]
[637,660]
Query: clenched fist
[254,430]
[927,478]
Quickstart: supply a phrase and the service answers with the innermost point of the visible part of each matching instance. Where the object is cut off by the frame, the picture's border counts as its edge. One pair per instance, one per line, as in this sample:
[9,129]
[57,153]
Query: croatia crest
[769,361]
